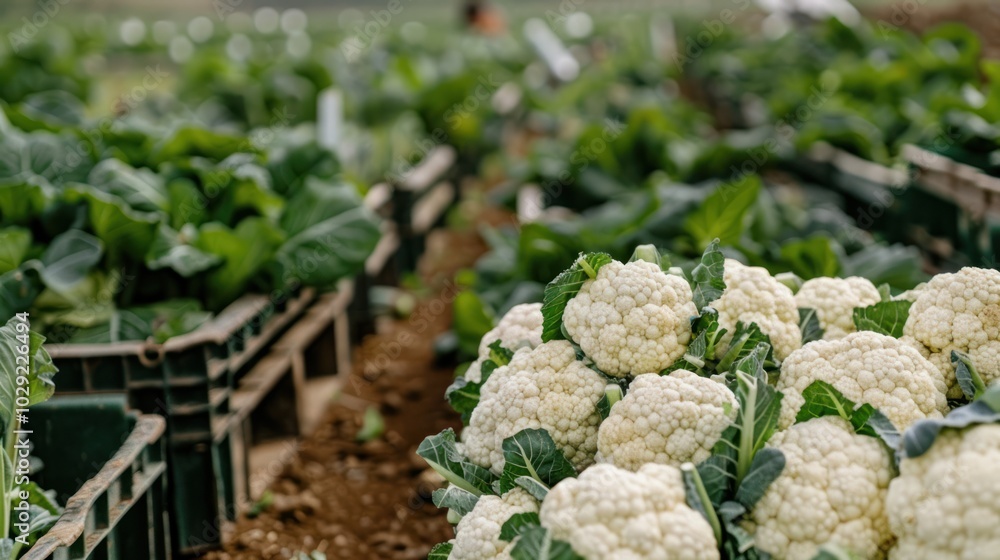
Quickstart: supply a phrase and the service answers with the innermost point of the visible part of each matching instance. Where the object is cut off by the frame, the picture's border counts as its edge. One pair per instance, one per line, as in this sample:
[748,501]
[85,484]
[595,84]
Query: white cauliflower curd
[522,325]
[959,311]
[545,387]
[945,504]
[832,491]
[752,295]
[834,300]
[632,318]
[669,420]
[477,535]
[866,367]
[613,514]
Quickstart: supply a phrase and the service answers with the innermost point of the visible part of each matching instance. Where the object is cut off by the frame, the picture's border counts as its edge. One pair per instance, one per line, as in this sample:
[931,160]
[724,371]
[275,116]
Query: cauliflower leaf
[886,317]
[563,288]
[532,455]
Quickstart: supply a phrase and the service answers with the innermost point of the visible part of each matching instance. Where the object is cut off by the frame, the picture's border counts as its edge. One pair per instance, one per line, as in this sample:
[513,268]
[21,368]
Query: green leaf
[823,399]
[920,436]
[443,456]
[317,201]
[498,354]
[14,336]
[22,200]
[441,551]
[533,453]
[18,289]
[69,258]
[14,245]
[746,340]
[517,524]
[723,215]
[454,498]
[170,249]
[612,394]
[122,229]
[809,325]
[373,425]
[708,277]
[968,376]
[330,250]
[698,498]
[835,552]
[141,189]
[244,251]
[765,468]
[533,487]
[471,320]
[887,317]
[648,253]
[564,288]
[811,258]
[536,543]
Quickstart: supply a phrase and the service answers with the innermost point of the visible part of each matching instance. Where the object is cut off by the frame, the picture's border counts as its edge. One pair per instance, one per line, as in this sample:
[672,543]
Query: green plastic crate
[108,469]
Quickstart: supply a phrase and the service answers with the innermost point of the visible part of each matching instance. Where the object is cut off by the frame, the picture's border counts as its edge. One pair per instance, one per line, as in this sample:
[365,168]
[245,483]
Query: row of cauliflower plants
[646,412]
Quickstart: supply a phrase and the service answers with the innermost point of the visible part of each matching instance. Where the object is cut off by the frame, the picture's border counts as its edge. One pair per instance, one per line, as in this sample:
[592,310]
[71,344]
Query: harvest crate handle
[72,522]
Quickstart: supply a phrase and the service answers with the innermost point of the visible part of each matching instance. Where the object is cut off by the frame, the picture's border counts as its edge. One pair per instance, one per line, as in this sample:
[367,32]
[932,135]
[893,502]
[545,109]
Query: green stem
[749,414]
[614,393]
[587,268]
[713,519]
[646,253]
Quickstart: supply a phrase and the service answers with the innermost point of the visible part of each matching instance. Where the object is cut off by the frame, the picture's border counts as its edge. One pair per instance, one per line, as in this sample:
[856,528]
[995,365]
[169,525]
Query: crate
[975,193]
[108,468]
[189,380]
[411,206]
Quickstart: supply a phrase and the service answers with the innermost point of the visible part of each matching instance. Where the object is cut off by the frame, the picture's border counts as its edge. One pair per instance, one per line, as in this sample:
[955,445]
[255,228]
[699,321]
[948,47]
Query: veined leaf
[746,340]
[920,436]
[533,453]
[456,499]
[443,456]
[441,551]
[517,524]
[723,215]
[887,317]
[564,288]
[14,245]
[823,399]
[809,325]
[536,543]
[69,258]
[765,468]
[967,375]
[708,277]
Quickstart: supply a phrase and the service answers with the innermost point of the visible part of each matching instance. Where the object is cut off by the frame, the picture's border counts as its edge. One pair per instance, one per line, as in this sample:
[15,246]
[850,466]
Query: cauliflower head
[669,420]
[632,318]
[477,535]
[752,295]
[832,490]
[834,300]
[521,324]
[945,504]
[613,514]
[545,387]
[959,311]
[866,367]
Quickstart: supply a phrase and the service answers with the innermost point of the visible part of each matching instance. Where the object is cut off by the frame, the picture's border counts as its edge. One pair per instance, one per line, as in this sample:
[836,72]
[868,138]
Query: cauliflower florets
[752,295]
[945,504]
[834,300]
[866,367]
[832,490]
[669,420]
[613,514]
[477,535]
[959,311]
[633,318]
[522,324]
[545,387]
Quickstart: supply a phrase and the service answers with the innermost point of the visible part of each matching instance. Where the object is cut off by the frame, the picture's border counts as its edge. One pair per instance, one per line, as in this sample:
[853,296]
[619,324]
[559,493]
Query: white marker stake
[330,119]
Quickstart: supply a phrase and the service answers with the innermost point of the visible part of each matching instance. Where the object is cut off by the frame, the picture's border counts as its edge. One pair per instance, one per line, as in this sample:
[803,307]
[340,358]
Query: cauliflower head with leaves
[752,295]
[866,367]
[945,504]
[609,513]
[632,318]
[477,535]
[834,300]
[959,311]
[831,491]
[522,324]
[545,387]
[670,420]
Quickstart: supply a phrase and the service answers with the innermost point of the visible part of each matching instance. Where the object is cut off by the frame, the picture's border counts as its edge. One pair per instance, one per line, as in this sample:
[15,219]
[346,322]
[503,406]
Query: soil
[372,500]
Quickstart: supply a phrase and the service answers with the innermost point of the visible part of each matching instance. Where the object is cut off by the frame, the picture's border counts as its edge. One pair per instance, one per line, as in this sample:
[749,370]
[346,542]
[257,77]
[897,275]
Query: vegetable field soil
[372,500]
